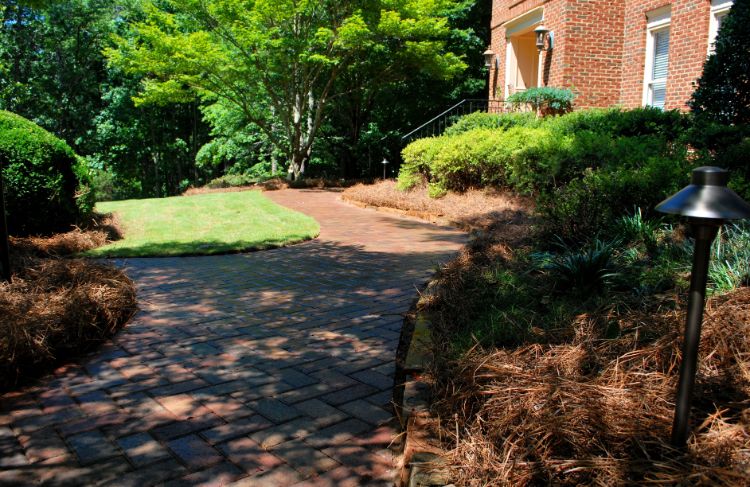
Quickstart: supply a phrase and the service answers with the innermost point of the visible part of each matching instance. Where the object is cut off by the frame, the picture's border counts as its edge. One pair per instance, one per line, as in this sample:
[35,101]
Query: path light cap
[707,197]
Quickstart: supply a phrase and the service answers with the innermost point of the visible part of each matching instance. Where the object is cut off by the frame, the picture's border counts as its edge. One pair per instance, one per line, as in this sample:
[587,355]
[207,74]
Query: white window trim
[658,20]
[718,8]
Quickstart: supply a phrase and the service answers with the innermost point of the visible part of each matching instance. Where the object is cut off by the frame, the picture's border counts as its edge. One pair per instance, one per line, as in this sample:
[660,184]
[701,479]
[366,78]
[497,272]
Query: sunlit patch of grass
[203,224]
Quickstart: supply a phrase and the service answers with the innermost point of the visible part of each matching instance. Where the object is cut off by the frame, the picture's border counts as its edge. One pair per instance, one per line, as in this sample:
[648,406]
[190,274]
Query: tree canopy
[280,63]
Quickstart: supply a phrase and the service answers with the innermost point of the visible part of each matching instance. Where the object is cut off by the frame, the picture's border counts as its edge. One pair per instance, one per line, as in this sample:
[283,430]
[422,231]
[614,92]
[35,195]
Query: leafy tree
[723,93]
[279,61]
[52,63]
[370,116]
[237,145]
[145,151]
[53,71]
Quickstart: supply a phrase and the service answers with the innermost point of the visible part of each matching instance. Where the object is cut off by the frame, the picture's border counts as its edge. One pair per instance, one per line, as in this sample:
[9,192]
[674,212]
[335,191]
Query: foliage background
[53,71]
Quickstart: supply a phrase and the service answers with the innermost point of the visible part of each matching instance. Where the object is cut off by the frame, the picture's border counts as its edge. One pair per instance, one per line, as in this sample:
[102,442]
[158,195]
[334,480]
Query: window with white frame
[657,58]
[719,10]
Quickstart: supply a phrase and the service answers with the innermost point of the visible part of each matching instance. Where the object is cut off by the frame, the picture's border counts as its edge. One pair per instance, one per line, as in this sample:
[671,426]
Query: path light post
[4,248]
[385,164]
[707,202]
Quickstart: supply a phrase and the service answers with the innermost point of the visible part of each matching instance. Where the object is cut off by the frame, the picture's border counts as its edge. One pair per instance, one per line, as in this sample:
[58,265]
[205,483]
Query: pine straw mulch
[58,307]
[576,408]
[599,411]
[471,210]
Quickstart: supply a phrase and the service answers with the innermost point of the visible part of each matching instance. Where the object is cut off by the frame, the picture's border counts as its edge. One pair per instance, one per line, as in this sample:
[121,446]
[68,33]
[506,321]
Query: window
[719,10]
[657,58]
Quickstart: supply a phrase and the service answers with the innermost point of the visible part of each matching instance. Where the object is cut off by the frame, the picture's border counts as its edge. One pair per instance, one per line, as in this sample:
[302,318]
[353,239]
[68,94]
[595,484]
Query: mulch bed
[596,411]
[57,307]
[276,184]
[577,407]
[472,210]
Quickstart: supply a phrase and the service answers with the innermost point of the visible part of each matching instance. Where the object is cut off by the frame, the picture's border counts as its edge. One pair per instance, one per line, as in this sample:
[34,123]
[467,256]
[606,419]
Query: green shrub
[109,187]
[231,180]
[537,156]
[595,202]
[501,121]
[417,159]
[546,100]
[725,146]
[47,187]
[667,124]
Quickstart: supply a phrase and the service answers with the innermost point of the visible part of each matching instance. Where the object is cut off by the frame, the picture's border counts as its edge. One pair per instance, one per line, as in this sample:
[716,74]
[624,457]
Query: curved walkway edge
[270,368]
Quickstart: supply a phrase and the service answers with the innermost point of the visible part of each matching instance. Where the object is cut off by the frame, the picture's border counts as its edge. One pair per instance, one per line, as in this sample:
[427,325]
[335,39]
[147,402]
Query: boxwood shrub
[46,184]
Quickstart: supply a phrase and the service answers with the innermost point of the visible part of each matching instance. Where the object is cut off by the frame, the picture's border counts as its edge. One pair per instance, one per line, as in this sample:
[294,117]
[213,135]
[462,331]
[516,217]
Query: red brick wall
[505,10]
[688,46]
[593,54]
[600,47]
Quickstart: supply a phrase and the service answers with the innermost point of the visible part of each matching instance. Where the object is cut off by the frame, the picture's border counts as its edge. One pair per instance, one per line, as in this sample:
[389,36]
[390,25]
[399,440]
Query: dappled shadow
[265,361]
[197,247]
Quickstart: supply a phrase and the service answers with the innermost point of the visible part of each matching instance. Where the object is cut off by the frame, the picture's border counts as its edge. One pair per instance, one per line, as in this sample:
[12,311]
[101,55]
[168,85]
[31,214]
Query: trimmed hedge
[531,156]
[586,168]
[46,184]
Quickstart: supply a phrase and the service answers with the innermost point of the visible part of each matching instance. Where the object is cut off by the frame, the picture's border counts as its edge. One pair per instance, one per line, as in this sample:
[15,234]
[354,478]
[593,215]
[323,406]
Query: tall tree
[723,93]
[279,60]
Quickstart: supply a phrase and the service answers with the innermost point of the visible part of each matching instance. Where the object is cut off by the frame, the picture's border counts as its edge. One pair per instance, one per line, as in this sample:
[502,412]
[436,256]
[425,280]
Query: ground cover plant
[203,224]
[57,308]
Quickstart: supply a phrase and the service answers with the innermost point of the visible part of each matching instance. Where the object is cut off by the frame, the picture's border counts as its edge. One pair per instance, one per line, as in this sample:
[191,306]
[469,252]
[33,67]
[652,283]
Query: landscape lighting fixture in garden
[544,34]
[707,202]
[4,247]
[385,164]
[490,59]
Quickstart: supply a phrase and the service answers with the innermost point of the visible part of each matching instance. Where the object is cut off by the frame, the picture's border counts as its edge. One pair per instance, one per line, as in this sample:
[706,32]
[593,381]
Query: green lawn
[203,224]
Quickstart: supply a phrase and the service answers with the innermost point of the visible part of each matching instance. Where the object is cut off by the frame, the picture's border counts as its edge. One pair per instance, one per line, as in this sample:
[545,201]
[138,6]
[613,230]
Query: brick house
[611,52]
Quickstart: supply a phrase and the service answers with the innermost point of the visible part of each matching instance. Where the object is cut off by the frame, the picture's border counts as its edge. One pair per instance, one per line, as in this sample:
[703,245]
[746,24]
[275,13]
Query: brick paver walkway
[269,368]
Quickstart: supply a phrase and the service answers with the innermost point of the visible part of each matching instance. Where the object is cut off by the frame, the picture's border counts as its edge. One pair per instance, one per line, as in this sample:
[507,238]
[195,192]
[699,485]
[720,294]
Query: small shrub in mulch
[57,308]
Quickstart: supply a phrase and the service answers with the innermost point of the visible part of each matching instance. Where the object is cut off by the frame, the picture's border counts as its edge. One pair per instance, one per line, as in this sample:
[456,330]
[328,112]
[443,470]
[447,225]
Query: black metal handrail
[437,124]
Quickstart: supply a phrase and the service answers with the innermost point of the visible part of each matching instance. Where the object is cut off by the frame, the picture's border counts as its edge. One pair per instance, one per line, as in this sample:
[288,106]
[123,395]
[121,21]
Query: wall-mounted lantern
[491,60]
[544,38]
[707,202]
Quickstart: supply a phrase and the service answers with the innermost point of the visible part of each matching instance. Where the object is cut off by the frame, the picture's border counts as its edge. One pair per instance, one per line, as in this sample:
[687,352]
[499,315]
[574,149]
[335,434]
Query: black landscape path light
[385,164]
[4,248]
[707,202]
